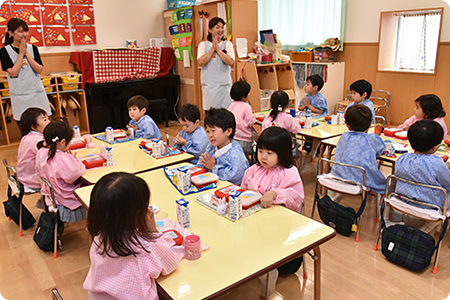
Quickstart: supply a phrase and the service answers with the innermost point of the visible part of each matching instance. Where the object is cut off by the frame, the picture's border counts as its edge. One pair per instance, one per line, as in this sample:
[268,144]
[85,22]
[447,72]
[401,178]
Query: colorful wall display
[52,22]
[181,30]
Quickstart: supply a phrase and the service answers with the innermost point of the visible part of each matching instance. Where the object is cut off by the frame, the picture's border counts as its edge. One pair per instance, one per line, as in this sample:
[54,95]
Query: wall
[117,21]
[361,56]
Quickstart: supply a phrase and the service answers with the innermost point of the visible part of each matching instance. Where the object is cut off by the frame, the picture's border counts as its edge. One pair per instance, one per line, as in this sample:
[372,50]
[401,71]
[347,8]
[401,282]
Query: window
[409,40]
[302,23]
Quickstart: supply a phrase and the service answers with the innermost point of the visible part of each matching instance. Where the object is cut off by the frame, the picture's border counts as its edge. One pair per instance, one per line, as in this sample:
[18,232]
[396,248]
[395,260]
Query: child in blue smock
[359,148]
[423,167]
[144,126]
[314,101]
[361,91]
[192,139]
[223,156]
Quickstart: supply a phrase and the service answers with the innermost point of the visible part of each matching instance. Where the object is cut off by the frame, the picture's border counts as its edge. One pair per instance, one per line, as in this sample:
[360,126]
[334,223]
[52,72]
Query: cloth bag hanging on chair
[12,209]
[44,236]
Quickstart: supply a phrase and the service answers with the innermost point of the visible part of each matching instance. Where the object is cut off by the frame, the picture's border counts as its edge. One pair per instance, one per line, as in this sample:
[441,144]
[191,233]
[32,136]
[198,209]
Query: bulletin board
[52,22]
[181,30]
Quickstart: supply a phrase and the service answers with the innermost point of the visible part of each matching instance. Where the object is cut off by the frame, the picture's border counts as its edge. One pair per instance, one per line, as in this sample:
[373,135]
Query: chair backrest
[332,162]
[393,179]
[383,120]
[13,181]
[380,97]
[52,195]
[348,94]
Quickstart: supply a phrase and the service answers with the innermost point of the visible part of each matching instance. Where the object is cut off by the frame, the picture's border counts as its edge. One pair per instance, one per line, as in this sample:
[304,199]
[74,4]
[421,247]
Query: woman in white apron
[216,57]
[23,65]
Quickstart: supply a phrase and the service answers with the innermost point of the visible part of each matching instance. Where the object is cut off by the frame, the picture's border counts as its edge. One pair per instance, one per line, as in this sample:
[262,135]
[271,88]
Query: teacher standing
[216,57]
[23,65]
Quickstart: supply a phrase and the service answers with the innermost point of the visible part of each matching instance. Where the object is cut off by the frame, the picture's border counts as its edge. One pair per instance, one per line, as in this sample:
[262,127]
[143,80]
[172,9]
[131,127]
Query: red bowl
[327,118]
[302,123]
[447,142]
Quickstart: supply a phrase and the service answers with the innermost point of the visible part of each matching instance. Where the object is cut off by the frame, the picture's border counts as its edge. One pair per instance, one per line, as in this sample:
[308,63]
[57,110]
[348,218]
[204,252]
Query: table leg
[315,146]
[317,273]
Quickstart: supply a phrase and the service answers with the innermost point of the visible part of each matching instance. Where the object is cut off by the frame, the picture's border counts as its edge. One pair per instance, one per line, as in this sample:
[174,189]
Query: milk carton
[184,179]
[235,203]
[109,133]
[183,214]
[157,147]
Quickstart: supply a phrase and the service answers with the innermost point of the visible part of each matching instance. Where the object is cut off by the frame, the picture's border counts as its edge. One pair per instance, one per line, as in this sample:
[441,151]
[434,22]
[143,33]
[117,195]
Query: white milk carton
[235,203]
[183,214]
[184,179]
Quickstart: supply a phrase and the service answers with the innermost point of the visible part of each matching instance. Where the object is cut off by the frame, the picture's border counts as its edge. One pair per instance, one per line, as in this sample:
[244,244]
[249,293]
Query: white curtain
[302,22]
[417,41]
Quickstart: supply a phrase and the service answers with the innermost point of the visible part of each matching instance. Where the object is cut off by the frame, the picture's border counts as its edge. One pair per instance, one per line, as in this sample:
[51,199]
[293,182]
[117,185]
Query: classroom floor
[350,270]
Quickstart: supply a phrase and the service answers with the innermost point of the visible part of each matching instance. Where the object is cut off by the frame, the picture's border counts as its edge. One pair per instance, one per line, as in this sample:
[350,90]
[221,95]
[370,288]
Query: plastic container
[109,157]
[92,161]
[109,133]
[225,191]
[204,179]
[324,55]
[192,246]
[74,79]
[47,81]
[77,144]
[5,86]
[391,131]
[250,198]
[305,56]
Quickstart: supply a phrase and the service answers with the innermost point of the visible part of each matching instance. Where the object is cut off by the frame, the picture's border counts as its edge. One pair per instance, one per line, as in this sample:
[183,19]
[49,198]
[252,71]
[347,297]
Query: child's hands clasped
[268,198]
[135,127]
[207,161]
[307,103]
[150,221]
[179,140]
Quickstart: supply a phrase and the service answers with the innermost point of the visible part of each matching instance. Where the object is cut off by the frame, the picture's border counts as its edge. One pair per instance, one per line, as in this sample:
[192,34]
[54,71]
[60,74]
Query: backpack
[45,230]
[12,209]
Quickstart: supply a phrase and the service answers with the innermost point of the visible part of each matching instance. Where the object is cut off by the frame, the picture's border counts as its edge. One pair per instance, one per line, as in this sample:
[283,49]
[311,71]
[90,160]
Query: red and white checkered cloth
[126,64]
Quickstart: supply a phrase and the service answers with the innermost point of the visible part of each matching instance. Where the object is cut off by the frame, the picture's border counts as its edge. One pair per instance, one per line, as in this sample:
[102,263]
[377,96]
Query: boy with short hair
[243,114]
[144,126]
[361,91]
[314,101]
[223,156]
[192,139]
[422,166]
[359,148]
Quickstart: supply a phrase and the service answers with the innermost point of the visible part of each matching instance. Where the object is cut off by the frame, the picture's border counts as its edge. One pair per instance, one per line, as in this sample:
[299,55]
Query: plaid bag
[343,219]
[44,236]
[408,246]
[12,209]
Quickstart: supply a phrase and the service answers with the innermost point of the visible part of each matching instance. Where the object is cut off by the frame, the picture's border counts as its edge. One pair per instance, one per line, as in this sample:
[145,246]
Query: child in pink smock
[55,162]
[275,177]
[243,114]
[128,252]
[32,123]
[430,107]
[279,101]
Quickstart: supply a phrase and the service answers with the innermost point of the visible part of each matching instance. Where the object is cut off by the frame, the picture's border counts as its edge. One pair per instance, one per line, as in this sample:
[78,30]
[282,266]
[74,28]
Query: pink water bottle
[192,246]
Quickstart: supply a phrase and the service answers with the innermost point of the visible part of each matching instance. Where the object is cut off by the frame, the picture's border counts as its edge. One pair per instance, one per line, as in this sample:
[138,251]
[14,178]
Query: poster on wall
[5,14]
[54,15]
[28,13]
[81,15]
[35,36]
[56,36]
[84,35]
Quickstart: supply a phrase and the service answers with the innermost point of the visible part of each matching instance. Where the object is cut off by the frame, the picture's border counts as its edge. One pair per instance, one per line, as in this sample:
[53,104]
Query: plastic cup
[334,120]
[293,111]
[378,129]
[192,247]
[87,138]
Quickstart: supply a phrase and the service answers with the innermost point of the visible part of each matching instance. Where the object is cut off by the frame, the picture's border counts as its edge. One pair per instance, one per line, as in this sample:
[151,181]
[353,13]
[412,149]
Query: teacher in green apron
[23,65]
[216,57]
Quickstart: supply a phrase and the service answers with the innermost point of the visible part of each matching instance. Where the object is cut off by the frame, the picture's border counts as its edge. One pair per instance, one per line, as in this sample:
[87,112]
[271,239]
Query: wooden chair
[406,206]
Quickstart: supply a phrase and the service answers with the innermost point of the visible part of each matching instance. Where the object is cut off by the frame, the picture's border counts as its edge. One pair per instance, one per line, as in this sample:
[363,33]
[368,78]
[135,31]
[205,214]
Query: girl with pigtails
[279,102]
[58,165]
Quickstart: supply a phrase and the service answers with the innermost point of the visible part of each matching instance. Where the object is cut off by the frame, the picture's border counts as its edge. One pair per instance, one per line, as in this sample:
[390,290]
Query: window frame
[387,40]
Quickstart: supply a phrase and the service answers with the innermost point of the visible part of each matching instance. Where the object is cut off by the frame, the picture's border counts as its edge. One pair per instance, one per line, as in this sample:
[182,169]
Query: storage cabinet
[267,77]
[244,24]
[59,88]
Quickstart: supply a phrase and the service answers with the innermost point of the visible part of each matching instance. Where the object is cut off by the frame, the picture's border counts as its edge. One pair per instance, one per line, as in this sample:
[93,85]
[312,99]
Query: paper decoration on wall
[24,1]
[28,13]
[84,35]
[5,14]
[80,1]
[50,1]
[173,29]
[56,36]
[54,15]
[35,36]
[183,42]
[181,30]
[2,34]
[81,15]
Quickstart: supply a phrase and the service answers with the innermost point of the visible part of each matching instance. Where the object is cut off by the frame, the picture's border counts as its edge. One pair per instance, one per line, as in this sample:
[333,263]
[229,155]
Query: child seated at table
[192,139]
[58,165]
[223,156]
[314,101]
[244,115]
[32,123]
[422,166]
[128,253]
[427,107]
[276,178]
[144,126]
[361,91]
[359,148]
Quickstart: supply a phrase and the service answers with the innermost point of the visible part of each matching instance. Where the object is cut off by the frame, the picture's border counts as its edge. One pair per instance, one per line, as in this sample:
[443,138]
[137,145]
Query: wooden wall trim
[359,44]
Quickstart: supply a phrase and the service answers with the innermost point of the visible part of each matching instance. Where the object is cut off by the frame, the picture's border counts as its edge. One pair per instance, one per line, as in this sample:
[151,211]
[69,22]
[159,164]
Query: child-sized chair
[416,208]
[343,186]
[16,188]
